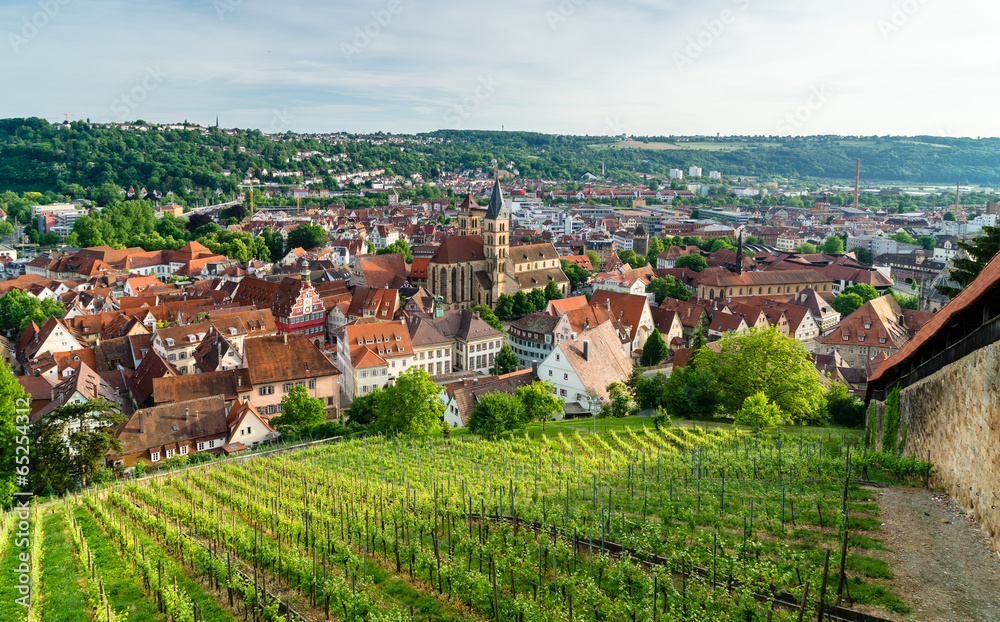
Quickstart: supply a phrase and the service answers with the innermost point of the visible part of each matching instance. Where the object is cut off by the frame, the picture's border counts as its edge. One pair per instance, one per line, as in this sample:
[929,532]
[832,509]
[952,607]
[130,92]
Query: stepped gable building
[479,264]
[296,306]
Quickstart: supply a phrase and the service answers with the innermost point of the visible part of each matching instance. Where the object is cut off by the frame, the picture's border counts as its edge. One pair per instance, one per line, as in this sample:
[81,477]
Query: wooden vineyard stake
[822,588]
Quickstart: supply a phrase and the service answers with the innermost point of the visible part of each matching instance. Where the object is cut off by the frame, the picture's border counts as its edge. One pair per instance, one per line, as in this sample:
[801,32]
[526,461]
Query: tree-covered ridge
[38,156]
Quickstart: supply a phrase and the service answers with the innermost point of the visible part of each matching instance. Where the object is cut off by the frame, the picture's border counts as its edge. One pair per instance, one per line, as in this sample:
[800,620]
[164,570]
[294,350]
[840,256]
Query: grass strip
[62,598]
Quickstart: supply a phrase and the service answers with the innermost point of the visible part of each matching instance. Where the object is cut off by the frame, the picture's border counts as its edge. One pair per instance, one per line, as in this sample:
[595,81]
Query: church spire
[739,255]
[497,209]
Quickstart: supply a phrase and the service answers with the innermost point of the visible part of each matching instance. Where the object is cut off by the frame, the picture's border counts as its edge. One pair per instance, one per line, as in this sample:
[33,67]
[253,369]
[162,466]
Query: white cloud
[566,66]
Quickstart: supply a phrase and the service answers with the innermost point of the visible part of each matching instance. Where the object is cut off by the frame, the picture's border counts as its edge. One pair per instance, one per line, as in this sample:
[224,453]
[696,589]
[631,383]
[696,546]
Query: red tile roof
[984,286]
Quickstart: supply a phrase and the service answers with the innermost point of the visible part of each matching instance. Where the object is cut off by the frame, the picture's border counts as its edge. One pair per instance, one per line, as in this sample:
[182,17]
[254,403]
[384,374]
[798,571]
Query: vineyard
[634,524]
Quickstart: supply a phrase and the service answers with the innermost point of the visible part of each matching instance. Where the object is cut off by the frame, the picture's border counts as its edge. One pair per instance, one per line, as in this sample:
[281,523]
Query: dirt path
[942,562]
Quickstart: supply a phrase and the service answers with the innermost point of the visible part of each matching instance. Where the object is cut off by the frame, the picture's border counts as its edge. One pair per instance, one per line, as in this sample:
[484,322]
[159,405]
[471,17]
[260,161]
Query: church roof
[497,209]
[458,249]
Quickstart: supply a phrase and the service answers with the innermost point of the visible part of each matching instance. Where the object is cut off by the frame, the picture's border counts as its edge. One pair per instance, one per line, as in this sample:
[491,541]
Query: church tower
[469,216]
[496,241]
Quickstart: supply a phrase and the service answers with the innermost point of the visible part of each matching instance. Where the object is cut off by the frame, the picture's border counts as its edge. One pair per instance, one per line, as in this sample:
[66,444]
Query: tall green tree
[667,287]
[552,291]
[864,255]
[654,350]
[575,274]
[846,304]
[655,248]
[505,306]
[696,263]
[299,410]
[844,408]
[18,309]
[764,360]
[71,443]
[620,402]
[536,297]
[495,413]
[966,269]
[411,405]
[540,401]
[364,408]
[401,247]
[505,361]
[307,237]
[834,245]
[691,392]
[522,305]
[864,290]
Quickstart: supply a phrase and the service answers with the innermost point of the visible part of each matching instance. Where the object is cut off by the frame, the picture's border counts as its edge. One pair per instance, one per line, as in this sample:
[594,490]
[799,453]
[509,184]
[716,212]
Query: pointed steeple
[739,255]
[497,209]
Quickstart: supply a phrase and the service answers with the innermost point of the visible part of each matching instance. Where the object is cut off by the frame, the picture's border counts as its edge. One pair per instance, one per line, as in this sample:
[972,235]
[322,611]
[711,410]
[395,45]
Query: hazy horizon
[581,67]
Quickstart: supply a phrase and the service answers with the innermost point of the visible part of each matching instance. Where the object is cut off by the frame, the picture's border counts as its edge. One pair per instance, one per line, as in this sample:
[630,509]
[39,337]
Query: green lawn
[63,599]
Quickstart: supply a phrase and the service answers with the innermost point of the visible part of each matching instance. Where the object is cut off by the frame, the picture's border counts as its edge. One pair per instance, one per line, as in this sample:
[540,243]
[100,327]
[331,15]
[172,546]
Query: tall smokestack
[857,177]
[958,186]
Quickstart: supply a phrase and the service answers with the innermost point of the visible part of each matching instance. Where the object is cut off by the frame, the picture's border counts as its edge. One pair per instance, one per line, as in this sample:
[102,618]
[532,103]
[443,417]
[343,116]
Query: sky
[594,67]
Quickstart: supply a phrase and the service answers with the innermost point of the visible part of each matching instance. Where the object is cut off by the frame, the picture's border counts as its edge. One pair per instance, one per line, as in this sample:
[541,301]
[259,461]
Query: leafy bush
[903,468]
[758,412]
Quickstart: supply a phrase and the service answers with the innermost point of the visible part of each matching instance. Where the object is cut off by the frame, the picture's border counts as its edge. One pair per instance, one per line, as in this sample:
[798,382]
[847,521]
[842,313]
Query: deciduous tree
[298,410]
[758,412]
[654,350]
[72,442]
[411,405]
[495,413]
[505,361]
[539,400]
[691,262]
[764,360]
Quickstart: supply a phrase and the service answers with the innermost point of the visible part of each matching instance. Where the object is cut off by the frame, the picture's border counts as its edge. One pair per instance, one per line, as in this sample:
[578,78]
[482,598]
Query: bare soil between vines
[946,571]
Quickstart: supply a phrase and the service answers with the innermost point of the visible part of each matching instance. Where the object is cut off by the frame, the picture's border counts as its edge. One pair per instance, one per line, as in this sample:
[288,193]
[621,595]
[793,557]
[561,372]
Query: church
[479,264]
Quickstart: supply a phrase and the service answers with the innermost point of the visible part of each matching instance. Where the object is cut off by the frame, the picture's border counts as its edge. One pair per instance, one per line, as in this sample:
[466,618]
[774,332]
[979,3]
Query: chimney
[142,428]
[286,338]
[475,382]
[239,381]
[187,417]
[534,367]
[586,350]
[196,415]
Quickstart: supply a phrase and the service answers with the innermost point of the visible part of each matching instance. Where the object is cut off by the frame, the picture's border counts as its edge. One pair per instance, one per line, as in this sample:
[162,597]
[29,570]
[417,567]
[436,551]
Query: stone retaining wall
[955,414]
